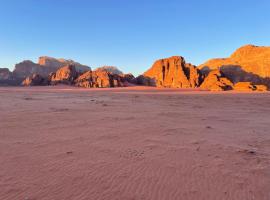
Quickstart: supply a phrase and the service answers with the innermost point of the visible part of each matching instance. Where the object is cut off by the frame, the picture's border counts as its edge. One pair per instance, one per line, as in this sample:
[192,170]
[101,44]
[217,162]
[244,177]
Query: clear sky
[130,34]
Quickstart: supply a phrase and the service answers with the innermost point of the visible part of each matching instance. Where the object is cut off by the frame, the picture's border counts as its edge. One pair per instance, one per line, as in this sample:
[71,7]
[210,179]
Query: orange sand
[62,143]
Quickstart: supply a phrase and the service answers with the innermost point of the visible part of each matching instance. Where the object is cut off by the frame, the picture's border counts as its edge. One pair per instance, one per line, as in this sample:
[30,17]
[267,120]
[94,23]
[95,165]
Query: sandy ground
[60,143]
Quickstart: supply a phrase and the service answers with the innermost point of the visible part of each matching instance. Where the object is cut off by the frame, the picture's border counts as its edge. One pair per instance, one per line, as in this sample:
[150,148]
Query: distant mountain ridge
[248,68]
[58,63]
[110,69]
[44,67]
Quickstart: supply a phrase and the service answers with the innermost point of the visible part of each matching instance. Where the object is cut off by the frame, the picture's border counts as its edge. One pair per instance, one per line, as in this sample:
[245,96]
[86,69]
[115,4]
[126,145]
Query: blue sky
[130,34]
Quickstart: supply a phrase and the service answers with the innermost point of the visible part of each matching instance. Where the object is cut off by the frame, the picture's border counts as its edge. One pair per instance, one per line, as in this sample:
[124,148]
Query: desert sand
[64,143]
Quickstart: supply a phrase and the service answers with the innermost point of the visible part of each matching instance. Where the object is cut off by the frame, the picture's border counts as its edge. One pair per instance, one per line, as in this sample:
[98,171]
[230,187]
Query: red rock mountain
[64,75]
[248,63]
[94,79]
[111,69]
[216,81]
[27,68]
[172,72]
[58,63]
[101,78]
[45,66]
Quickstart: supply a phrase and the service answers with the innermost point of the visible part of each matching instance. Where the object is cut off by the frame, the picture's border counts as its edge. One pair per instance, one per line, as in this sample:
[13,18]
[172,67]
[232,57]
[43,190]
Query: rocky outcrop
[110,69]
[69,75]
[7,77]
[261,88]
[27,68]
[248,86]
[45,66]
[64,75]
[94,79]
[54,64]
[144,80]
[35,80]
[244,86]
[102,79]
[171,72]
[5,74]
[216,81]
[85,80]
[128,79]
[247,64]
[99,79]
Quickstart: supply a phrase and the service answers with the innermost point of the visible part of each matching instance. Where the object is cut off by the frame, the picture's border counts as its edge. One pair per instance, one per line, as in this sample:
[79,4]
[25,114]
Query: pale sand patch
[133,144]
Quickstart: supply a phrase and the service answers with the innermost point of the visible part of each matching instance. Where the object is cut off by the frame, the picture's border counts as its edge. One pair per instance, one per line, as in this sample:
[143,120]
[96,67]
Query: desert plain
[134,143]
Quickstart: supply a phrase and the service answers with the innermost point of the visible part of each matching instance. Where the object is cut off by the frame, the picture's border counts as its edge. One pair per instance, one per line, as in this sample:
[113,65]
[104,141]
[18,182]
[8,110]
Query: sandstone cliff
[216,81]
[64,75]
[248,86]
[103,79]
[248,63]
[27,68]
[172,72]
[55,64]
[94,79]
[111,69]
[45,66]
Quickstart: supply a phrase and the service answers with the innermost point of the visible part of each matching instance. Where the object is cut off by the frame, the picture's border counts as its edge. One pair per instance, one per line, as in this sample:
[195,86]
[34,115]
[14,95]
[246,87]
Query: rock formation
[64,75]
[7,77]
[248,63]
[248,86]
[5,74]
[111,69]
[55,64]
[172,72]
[27,68]
[216,81]
[261,88]
[45,66]
[244,86]
[128,79]
[35,80]
[99,79]
[94,79]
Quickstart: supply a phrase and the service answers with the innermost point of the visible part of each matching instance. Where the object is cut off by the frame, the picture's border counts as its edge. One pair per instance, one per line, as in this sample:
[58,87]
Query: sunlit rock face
[172,72]
[216,81]
[64,75]
[248,86]
[248,63]
[102,79]
[95,79]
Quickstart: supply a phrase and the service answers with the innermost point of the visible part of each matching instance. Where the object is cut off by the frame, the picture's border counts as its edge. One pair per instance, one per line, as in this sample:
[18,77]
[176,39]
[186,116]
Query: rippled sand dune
[133,144]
